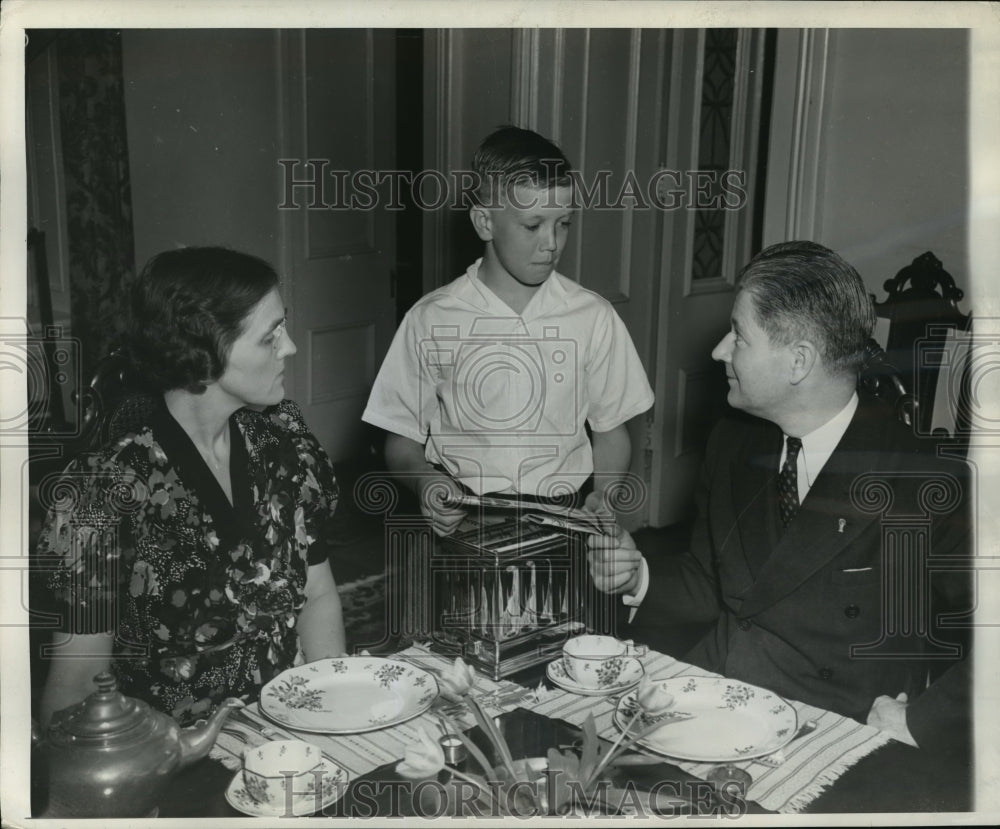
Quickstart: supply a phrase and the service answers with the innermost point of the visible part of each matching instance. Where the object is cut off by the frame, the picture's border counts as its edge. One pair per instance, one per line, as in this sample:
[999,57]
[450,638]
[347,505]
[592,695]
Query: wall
[467,94]
[203,123]
[894,168]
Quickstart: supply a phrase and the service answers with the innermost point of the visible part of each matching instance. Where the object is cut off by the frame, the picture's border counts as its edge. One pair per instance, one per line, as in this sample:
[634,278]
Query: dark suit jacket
[830,611]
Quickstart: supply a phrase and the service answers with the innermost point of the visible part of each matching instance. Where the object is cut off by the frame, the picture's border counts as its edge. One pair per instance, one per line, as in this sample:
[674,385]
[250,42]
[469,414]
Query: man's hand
[889,715]
[614,562]
[435,491]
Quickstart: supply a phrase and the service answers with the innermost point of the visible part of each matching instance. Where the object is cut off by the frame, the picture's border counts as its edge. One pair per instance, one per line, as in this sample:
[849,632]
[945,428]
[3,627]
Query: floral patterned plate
[348,695]
[334,784]
[628,678]
[731,720]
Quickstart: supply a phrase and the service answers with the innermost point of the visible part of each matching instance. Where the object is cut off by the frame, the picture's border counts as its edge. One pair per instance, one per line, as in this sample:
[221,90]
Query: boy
[490,380]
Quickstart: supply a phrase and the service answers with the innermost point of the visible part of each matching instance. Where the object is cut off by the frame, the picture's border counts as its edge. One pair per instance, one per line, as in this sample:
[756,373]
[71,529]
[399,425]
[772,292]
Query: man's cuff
[634,600]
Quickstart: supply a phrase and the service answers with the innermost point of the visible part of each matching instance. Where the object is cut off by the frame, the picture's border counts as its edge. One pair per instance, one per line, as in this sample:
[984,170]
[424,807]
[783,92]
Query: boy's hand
[614,562]
[435,491]
[599,501]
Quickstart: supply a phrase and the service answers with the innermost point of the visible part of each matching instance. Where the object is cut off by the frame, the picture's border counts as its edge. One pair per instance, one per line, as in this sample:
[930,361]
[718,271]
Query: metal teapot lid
[105,716]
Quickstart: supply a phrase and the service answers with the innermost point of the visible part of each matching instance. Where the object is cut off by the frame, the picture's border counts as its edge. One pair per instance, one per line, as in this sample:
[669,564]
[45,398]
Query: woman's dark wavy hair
[188,307]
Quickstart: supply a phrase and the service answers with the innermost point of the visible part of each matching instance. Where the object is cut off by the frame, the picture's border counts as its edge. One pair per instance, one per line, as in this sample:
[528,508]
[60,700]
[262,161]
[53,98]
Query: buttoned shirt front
[818,445]
[501,400]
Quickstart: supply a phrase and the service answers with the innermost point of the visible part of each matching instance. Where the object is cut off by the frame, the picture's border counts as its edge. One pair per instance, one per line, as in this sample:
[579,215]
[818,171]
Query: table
[891,778]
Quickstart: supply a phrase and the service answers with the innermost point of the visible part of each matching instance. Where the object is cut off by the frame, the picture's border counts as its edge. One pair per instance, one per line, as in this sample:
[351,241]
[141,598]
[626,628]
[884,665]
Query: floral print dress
[202,594]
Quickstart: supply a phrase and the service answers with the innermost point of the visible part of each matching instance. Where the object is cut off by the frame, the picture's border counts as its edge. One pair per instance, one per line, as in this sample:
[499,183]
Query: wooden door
[709,130]
[338,118]
[601,95]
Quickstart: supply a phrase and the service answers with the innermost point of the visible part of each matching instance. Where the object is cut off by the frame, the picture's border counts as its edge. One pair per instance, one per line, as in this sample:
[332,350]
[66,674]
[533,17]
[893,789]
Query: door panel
[701,255]
[340,111]
[600,95]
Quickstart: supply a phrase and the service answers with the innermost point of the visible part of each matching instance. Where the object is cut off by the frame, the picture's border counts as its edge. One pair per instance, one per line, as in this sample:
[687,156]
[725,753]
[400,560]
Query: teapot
[112,756]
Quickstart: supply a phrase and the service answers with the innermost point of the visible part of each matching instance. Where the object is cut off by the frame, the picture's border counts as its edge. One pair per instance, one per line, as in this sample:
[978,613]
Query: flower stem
[482,791]
[489,727]
[609,756]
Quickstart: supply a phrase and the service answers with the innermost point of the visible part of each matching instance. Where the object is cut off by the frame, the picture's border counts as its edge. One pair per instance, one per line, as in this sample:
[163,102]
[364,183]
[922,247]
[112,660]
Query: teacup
[595,662]
[283,773]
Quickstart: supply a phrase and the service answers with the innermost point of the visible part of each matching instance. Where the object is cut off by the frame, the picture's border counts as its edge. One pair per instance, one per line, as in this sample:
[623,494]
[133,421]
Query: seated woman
[192,557]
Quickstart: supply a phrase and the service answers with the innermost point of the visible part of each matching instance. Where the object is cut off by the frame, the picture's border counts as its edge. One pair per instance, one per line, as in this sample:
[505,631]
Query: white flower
[456,680]
[652,697]
[425,759]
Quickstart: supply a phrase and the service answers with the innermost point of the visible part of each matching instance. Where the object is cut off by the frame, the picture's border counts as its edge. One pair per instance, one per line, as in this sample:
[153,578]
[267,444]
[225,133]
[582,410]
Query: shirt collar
[819,444]
[551,294]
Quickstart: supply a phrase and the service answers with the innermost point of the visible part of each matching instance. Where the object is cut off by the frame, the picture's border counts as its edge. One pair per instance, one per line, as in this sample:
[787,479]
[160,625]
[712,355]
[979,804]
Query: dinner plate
[334,784]
[348,695]
[730,720]
[630,675]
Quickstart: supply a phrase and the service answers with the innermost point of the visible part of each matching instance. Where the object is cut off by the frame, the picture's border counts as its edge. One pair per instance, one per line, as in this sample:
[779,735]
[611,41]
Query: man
[786,559]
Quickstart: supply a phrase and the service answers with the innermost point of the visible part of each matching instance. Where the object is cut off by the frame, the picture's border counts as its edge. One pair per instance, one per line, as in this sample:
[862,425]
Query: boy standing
[490,380]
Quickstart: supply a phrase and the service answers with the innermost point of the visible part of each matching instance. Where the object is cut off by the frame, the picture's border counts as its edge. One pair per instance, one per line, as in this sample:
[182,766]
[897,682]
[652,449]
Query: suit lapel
[826,523]
[755,494]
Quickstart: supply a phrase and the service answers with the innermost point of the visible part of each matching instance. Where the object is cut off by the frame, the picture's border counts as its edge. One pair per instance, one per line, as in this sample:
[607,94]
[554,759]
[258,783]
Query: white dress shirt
[818,445]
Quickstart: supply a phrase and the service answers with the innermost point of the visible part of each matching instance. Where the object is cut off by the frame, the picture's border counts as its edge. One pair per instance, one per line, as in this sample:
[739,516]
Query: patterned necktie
[788,482]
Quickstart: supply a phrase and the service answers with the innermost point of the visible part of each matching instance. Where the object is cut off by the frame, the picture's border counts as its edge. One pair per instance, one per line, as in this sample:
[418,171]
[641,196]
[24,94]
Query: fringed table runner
[784,782]
[361,753]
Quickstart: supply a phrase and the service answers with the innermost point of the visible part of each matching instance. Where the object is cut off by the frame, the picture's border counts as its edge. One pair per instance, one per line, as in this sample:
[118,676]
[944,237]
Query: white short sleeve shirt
[500,400]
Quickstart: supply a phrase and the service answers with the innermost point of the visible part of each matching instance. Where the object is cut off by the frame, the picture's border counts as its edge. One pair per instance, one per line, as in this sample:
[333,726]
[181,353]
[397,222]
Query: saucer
[334,785]
[629,677]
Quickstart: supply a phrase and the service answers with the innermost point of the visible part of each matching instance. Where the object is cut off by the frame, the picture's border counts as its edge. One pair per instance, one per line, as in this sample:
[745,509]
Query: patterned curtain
[98,195]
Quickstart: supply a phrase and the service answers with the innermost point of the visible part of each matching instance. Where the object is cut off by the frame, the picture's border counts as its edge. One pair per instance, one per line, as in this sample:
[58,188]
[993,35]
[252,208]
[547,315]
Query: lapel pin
[841,523]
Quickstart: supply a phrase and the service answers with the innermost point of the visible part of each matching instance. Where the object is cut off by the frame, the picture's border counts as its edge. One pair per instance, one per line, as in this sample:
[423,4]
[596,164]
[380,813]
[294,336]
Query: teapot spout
[198,740]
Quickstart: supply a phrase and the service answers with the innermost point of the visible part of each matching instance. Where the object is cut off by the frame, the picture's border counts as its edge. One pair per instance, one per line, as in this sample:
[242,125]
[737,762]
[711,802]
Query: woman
[191,557]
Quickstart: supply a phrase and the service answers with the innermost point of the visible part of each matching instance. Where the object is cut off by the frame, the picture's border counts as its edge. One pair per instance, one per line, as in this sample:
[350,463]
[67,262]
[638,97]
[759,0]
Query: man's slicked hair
[512,156]
[804,291]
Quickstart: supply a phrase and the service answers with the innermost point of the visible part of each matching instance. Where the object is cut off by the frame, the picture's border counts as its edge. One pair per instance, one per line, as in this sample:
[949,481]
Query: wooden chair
[885,381]
[113,404]
[928,341]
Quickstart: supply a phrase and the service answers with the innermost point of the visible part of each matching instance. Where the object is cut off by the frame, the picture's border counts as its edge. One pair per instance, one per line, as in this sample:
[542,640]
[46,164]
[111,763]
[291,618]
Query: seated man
[791,560]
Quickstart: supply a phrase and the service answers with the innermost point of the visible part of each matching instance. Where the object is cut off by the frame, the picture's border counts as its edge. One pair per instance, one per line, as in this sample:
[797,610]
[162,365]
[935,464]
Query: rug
[364,607]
